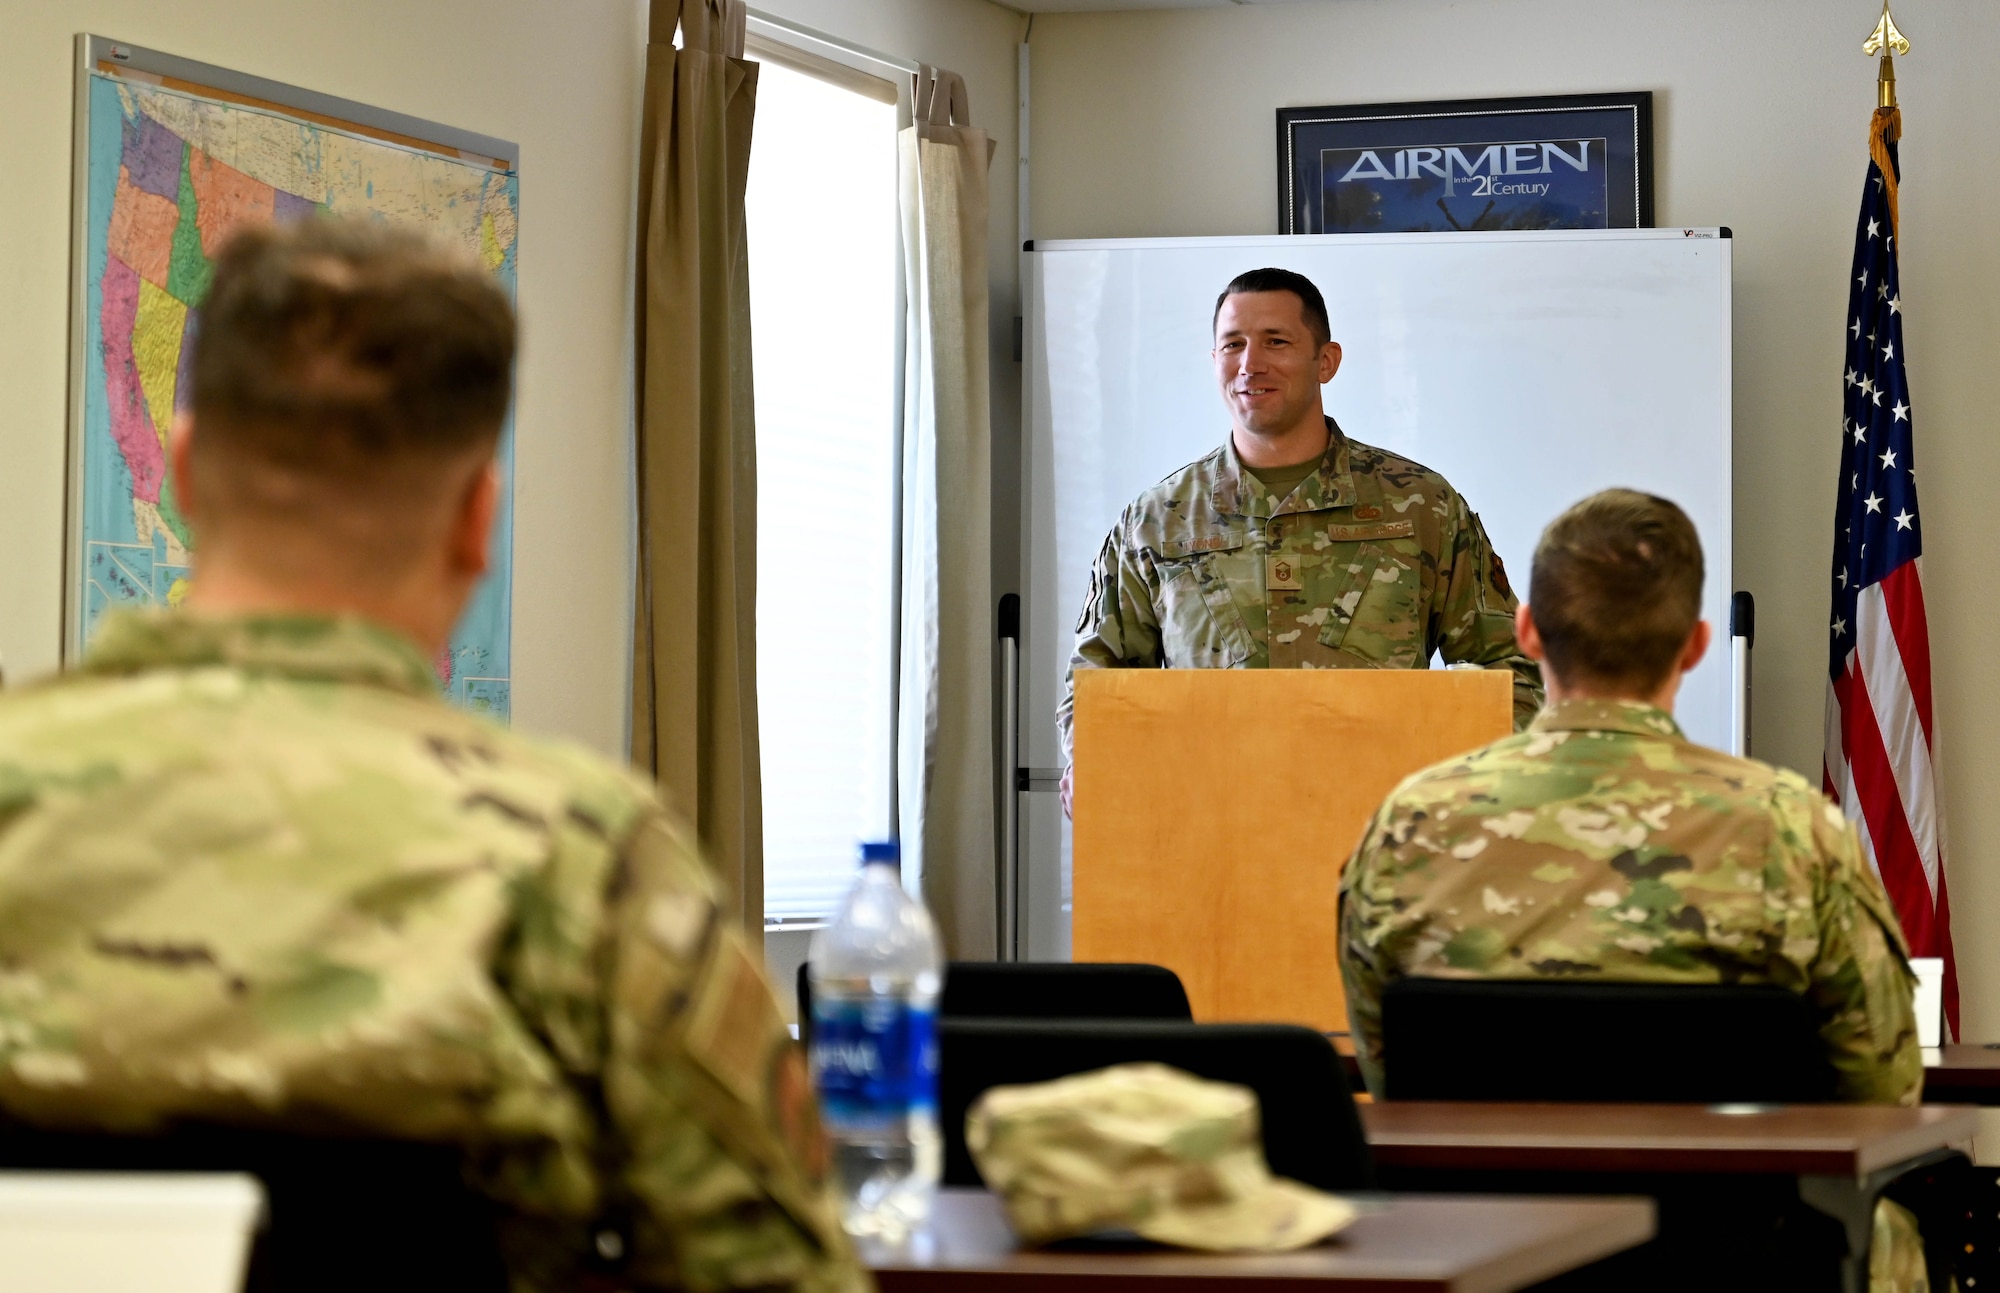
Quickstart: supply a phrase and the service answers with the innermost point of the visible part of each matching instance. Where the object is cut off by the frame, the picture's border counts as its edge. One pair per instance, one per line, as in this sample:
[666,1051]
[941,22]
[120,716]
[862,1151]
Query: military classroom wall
[561,80]
[1162,123]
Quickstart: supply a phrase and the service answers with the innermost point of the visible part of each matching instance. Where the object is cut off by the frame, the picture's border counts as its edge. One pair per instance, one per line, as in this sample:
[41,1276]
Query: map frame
[99,58]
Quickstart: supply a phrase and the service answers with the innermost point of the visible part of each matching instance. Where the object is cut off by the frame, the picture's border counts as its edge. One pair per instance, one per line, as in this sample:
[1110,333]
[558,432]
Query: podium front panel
[1214,809]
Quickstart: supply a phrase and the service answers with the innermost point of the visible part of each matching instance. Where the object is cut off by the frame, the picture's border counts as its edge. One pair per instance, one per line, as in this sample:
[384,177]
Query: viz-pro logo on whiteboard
[1509,184]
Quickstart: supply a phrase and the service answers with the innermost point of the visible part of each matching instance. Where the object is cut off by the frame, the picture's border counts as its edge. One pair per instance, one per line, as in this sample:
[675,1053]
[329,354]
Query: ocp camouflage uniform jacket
[257,872]
[1602,844]
[1372,562]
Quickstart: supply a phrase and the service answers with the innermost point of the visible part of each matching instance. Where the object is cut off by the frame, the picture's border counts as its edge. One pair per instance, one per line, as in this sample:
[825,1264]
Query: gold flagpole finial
[1886,41]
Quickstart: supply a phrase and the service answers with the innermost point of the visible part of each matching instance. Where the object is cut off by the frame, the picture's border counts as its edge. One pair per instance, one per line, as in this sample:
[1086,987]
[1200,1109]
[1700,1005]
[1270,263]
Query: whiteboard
[1530,368]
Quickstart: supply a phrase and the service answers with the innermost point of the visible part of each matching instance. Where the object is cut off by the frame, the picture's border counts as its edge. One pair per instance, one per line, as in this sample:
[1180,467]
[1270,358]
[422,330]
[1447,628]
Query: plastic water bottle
[875,974]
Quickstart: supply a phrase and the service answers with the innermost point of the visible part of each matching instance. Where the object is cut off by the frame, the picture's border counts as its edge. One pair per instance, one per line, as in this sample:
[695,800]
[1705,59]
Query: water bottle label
[874,1061]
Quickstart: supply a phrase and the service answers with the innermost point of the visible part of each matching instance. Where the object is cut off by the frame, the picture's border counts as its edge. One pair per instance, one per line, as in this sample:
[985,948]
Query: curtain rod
[785,27]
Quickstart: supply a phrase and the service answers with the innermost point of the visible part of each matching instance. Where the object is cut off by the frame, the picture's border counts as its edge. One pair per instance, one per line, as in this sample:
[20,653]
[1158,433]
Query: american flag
[1880,738]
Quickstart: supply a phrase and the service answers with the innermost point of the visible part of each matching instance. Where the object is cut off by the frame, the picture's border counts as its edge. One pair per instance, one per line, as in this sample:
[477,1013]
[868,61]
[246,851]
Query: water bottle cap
[875,851]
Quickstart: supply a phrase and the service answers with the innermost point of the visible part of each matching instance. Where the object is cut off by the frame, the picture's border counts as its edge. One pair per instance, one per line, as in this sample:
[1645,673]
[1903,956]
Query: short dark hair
[342,346]
[1616,589]
[1311,303]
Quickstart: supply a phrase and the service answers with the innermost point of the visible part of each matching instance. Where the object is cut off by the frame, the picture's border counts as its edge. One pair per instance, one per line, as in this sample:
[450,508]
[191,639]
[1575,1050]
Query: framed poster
[171,157]
[1579,161]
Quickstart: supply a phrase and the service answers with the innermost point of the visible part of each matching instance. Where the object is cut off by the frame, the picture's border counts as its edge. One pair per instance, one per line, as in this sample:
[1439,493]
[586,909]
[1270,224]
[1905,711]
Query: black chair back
[1311,1131]
[1063,990]
[386,1216]
[1046,990]
[1455,1039]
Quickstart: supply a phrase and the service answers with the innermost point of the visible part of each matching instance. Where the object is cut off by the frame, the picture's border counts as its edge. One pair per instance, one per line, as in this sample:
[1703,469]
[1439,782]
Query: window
[821,211]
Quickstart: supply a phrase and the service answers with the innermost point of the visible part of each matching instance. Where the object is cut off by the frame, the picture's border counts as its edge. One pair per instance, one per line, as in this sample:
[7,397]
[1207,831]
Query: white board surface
[1529,368]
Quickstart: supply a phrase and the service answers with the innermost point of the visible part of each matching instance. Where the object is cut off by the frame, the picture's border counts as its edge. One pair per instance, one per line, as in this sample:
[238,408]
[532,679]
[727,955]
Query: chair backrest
[1311,1131]
[1455,1039]
[343,1214]
[1045,990]
[1063,990]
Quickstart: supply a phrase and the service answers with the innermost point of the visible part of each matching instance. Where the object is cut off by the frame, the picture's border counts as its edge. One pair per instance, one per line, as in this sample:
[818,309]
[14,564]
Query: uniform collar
[1634,718]
[1237,492]
[294,646]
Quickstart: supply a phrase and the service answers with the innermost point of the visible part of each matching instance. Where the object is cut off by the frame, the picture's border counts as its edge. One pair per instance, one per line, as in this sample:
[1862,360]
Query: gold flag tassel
[1887,126]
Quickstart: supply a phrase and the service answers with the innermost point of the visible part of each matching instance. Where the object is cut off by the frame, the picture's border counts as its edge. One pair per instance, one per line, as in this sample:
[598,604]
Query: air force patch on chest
[1281,573]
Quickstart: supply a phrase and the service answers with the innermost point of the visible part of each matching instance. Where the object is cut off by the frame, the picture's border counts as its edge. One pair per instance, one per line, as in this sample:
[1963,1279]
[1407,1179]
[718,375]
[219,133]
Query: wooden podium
[1214,809]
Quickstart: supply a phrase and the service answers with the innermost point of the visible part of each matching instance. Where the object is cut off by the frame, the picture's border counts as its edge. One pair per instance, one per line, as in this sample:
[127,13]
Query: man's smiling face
[1269,363]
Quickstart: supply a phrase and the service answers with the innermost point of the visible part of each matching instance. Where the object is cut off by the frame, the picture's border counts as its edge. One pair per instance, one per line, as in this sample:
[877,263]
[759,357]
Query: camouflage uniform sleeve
[1474,611]
[1862,973]
[1362,968]
[711,1160]
[1119,627]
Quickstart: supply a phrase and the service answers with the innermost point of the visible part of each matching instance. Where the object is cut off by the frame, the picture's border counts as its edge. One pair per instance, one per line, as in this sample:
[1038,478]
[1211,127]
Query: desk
[1403,1245]
[1840,1155]
[1853,1141]
[1962,1074]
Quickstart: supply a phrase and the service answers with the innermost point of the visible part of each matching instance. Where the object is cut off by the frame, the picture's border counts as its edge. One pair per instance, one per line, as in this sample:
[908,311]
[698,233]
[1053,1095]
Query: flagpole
[1886,41]
[1881,751]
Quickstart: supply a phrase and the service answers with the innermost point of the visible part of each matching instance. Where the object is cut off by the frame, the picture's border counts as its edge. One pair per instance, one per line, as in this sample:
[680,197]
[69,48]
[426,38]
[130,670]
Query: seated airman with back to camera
[1602,844]
[254,871]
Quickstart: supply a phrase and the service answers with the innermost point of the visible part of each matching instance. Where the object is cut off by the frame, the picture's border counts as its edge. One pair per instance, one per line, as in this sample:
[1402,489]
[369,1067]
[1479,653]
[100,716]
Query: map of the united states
[171,175]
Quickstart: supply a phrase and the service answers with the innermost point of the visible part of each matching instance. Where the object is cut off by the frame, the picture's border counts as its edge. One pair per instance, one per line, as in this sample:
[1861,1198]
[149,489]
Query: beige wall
[1164,123]
[560,80]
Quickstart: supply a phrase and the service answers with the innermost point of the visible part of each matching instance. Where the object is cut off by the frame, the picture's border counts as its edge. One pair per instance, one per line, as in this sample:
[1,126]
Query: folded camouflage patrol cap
[1147,1149]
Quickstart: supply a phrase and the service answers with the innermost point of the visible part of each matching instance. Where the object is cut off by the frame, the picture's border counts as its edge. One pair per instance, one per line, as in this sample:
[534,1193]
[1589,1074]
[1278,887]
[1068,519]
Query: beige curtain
[945,786]
[694,659]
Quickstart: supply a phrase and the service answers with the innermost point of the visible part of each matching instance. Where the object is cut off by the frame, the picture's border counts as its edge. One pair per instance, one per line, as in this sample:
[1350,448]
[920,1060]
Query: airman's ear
[1527,635]
[472,522]
[1699,640]
[180,465]
[1329,361]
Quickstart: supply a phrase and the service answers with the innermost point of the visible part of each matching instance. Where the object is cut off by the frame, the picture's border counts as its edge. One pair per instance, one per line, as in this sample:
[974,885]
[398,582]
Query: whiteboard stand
[1742,636]
[1007,881]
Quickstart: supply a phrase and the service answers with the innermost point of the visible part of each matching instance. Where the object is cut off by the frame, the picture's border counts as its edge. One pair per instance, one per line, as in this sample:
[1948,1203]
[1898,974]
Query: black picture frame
[1567,161]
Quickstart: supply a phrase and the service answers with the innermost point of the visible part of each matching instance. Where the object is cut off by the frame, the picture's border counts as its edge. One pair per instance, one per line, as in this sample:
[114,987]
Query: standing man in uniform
[255,872]
[1292,546]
